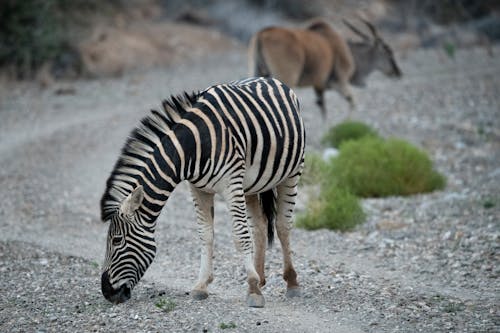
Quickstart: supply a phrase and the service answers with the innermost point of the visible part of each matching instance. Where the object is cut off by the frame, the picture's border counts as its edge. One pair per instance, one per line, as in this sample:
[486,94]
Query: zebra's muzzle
[114,295]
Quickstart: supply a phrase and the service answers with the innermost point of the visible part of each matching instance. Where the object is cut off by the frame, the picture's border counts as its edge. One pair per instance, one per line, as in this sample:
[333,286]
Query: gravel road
[425,263]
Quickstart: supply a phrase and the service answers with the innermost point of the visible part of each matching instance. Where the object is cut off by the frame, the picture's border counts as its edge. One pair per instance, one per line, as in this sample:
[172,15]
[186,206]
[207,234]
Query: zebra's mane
[138,148]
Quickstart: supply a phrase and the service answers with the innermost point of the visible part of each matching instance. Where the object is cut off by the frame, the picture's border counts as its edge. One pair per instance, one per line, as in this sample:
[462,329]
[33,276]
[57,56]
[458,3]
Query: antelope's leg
[259,231]
[320,100]
[287,194]
[204,204]
[243,240]
[345,90]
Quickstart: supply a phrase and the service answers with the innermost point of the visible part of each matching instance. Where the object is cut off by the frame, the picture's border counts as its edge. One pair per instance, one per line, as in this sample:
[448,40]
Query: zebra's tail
[268,204]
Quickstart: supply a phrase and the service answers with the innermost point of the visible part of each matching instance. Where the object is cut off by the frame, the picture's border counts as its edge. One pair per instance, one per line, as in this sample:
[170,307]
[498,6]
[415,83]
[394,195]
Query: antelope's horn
[356,30]
[371,27]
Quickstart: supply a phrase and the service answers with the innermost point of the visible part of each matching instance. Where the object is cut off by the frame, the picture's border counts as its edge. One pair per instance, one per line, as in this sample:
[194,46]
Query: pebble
[421,263]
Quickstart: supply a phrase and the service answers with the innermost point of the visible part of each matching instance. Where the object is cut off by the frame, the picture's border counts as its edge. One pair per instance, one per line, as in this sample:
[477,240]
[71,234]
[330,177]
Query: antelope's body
[318,56]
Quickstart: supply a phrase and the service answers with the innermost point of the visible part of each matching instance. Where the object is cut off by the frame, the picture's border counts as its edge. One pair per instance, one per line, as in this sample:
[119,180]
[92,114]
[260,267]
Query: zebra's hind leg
[259,231]
[204,204]
[287,194]
[243,240]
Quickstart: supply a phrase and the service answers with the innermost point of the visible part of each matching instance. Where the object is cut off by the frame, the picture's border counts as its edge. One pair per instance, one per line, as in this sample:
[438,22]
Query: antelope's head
[381,53]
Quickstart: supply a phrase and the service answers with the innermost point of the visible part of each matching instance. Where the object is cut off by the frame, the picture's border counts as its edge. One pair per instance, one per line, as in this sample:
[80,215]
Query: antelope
[318,56]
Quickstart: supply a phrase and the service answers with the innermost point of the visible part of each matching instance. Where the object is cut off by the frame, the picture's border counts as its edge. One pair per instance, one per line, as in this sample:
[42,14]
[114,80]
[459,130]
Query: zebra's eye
[117,240]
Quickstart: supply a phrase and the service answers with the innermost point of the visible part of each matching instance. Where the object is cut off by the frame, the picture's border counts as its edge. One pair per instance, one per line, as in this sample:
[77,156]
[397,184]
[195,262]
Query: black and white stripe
[238,139]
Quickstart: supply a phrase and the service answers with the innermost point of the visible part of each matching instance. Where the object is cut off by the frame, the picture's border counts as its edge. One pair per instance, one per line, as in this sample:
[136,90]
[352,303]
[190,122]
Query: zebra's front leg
[243,242]
[204,204]
[287,194]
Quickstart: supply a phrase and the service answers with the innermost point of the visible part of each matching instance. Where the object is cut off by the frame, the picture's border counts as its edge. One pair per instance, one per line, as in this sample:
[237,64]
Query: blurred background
[77,75]
[52,39]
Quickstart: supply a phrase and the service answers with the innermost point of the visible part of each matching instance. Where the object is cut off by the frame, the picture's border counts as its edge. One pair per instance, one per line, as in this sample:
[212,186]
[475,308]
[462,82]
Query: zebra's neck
[167,166]
[158,169]
[161,152]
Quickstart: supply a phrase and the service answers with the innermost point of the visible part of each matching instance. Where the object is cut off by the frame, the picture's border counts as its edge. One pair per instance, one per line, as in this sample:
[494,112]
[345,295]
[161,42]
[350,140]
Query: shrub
[229,325]
[488,203]
[166,305]
[314,169]
[349,130]
[36,32]
[372,167]
[336,208]
[30,34]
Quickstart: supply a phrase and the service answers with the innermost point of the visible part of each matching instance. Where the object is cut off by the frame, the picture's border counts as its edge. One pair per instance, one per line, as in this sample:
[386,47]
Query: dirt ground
[426,263]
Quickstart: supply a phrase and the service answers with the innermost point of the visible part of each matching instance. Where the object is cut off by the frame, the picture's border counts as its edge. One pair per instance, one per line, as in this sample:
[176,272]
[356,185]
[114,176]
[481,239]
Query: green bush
[367,166]
[30,34]
[335,208]
[314,169]
[35,32]
[372,167]
[349,130]
[229,325]
[166,305]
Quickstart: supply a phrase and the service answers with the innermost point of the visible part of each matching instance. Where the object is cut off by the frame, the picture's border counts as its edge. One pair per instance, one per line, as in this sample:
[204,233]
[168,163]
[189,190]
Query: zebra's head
[130,249]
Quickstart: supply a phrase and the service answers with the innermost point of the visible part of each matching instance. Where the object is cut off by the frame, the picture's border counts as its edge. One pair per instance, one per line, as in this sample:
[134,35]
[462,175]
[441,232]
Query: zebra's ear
[133,201]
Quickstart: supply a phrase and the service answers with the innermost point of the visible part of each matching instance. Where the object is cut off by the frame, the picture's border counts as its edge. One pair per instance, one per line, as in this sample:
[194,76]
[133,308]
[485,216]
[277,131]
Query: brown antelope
[318,56]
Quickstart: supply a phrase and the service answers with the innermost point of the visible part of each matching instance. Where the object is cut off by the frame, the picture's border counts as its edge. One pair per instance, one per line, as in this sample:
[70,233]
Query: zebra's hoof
[199,294]
[255,301]
[293,292]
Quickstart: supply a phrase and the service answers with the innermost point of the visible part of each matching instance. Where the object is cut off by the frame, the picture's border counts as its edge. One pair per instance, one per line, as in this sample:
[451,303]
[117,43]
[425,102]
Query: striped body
[239,139]
[260,125]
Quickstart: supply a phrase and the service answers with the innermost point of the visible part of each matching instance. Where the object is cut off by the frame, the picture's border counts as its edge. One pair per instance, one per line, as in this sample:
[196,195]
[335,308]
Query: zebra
[243,140]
